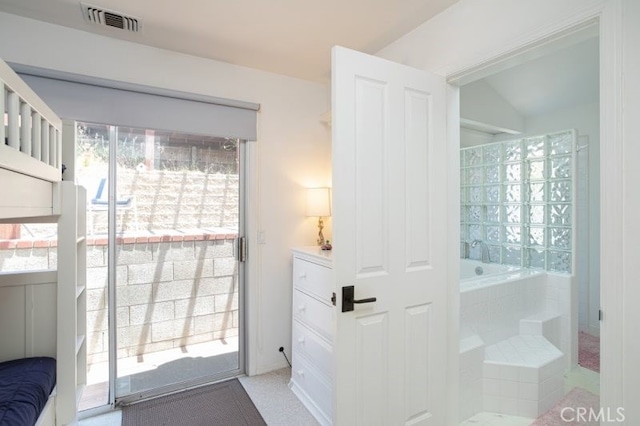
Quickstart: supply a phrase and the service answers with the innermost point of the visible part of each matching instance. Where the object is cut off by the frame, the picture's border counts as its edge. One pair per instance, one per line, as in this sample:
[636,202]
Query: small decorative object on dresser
[313,323]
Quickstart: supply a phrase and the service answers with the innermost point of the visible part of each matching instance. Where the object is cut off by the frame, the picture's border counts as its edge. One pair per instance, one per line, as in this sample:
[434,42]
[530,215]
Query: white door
[389,235]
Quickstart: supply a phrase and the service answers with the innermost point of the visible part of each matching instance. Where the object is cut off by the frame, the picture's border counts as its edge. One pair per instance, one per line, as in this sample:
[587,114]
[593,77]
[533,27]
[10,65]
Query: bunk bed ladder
[72,299]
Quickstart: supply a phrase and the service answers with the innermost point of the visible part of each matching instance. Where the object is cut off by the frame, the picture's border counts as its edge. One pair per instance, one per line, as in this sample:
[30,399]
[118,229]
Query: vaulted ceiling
[558,77]
[562,79]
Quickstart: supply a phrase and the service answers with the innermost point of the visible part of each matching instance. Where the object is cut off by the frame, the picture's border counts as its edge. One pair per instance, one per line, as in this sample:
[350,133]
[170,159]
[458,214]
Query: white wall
[292,151]
[471,32]
[471,137]
[585,119]
[481,104]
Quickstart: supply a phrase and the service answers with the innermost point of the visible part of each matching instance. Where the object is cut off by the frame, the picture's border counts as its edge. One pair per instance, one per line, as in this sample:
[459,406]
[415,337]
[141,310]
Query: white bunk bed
[33,189]
[30,153]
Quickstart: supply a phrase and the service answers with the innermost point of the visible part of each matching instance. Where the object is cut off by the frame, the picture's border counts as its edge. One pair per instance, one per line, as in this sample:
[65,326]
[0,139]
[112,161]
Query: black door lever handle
[367,300]
[348,300]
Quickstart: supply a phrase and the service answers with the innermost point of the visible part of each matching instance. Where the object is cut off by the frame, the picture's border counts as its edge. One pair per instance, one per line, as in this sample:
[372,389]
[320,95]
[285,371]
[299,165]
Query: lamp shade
[318,202]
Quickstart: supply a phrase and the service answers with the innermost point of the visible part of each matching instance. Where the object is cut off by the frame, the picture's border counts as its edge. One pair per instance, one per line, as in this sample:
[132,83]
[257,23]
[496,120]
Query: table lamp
[319,204]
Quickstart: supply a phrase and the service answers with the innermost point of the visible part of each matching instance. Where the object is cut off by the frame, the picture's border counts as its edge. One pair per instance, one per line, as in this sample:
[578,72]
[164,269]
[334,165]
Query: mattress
[25,385]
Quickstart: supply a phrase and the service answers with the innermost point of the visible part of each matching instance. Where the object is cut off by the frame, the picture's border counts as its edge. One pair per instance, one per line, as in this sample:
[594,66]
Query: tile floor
[110,419]
[495,419]
[279,406]
[578,377]
[584,378]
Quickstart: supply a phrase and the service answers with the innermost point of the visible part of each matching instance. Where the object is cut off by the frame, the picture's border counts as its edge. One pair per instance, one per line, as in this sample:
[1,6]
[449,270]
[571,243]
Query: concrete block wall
[169,294]
[173,288]
[28,255]
[163,199]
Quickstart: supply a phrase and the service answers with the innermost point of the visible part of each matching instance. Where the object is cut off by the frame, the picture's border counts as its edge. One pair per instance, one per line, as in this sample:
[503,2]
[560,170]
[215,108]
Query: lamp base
[320,240]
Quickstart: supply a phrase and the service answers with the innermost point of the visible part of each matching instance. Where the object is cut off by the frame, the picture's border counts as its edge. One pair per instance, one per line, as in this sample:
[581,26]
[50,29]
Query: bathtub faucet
[486,257]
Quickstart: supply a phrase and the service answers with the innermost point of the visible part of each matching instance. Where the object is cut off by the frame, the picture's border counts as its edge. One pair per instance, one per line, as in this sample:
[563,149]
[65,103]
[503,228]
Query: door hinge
[240,249]
[599,314]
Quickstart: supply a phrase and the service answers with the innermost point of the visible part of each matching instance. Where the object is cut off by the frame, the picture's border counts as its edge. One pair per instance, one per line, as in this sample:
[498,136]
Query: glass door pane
[92,163]
[177,215]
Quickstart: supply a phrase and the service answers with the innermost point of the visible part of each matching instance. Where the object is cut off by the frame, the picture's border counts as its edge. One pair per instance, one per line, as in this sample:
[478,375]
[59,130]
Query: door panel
[417,178]
[371,141]
[389,156]
[372,352]
[416,347]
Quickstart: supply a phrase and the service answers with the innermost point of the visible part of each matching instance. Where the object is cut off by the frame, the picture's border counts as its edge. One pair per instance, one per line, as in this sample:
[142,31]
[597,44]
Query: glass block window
[517,198]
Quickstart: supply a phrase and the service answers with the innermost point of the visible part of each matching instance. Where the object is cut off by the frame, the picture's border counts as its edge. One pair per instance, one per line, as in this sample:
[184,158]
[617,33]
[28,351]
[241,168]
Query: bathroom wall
[471,137]
[480,104]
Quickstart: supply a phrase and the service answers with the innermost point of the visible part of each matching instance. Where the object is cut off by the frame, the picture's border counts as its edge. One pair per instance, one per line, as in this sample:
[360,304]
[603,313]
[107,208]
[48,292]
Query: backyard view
[176,277]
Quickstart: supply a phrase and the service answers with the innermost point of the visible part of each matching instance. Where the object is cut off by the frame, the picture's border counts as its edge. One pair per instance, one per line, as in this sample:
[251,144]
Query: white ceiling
[291,37]
[565,78]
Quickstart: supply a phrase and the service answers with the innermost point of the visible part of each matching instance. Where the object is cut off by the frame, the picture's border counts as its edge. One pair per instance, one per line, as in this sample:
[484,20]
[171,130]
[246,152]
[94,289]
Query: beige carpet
[589,351]
[225,403]
[275,401]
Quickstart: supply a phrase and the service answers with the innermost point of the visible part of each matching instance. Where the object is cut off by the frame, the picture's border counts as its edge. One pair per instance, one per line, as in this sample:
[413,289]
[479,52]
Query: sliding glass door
[168,314]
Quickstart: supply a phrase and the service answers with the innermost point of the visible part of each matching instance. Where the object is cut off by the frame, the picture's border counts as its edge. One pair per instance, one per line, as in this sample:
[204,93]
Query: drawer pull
[303,275]
[301,339]
[300,373]
[302,308]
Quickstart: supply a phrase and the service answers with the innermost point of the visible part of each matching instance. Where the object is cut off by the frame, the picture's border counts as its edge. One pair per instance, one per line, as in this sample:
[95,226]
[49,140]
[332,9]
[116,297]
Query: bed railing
[30,135]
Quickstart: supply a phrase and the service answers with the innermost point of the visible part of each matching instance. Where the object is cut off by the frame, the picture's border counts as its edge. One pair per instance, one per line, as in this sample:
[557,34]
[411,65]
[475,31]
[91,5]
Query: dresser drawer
[313,313]
[313,278]
[312,385]
[313,348]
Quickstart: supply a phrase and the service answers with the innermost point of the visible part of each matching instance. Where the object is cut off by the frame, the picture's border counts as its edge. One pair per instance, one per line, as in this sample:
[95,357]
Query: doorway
[166,310]
[518,114]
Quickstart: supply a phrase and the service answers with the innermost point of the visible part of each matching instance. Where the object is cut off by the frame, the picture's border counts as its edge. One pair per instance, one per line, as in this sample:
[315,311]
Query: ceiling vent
[110,18]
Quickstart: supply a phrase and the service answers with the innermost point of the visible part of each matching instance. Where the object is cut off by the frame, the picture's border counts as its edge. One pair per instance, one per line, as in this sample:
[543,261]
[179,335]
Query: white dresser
[312,330]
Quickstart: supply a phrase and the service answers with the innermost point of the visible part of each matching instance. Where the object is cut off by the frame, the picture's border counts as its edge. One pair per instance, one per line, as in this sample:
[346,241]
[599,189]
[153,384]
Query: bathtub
[476,269]
[475,274]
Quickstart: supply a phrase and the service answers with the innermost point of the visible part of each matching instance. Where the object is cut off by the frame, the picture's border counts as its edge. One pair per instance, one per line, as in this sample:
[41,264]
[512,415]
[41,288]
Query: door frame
[608,16]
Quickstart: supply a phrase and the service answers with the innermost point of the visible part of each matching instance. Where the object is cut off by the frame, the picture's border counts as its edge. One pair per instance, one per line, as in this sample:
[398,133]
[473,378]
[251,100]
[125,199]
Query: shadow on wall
[169,200]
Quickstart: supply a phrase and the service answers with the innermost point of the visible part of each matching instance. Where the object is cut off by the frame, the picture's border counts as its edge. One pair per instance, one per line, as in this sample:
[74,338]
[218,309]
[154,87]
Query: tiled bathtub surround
[515,341]
[517,197]
[491,308]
